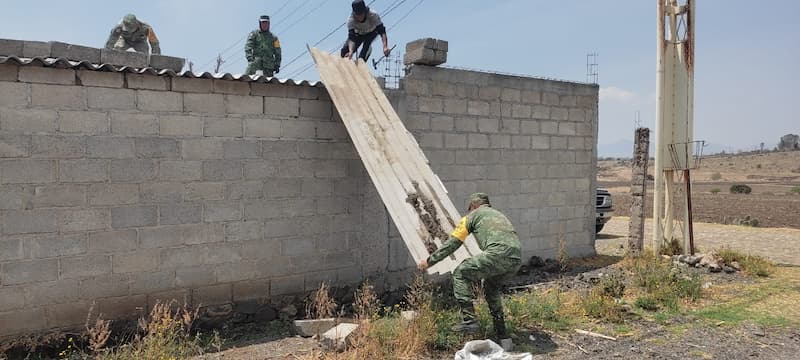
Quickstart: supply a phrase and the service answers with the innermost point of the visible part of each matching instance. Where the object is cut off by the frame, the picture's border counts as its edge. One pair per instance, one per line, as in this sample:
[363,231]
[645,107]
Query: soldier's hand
[423,265]
[277,70]
[386,51]
[349,55]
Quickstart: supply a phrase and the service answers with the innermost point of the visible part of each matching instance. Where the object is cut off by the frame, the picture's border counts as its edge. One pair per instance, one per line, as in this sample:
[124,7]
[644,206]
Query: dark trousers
[365,41]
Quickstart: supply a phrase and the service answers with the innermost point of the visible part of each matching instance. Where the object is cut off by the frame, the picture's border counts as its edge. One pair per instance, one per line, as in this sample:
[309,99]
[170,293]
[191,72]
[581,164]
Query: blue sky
[747,69]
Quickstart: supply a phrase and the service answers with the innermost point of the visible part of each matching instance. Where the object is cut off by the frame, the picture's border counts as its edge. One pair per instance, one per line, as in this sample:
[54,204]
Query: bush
[795,190]
[751,264]
[613,286]
[746,221]
[598,305]
[663,283]
[672,247]
[716,176]
[715,191]
[647,303]
[741,189]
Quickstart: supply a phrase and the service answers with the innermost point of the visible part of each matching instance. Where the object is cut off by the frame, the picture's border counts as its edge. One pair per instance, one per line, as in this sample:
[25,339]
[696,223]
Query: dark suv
[604,211]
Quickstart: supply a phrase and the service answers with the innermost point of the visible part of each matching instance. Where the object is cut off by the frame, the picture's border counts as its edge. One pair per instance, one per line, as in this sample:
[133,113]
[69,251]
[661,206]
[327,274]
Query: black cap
[263,18]
[359,7]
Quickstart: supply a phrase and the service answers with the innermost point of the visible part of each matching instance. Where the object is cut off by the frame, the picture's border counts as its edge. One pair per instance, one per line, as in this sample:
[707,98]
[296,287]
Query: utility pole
[674,151]
[219,63]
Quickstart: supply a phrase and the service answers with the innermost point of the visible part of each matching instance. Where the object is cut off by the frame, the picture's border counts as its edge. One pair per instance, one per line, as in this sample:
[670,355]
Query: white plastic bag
[487,350]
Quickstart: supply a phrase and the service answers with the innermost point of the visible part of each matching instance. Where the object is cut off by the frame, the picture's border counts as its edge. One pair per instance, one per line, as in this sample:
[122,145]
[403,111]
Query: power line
[329,34]
[406,15]
[210,62]
[393,6]
[309,65]
[307,14]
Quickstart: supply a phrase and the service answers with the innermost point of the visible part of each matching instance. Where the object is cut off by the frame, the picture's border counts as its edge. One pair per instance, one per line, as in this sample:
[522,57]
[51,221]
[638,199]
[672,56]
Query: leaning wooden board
[414,196]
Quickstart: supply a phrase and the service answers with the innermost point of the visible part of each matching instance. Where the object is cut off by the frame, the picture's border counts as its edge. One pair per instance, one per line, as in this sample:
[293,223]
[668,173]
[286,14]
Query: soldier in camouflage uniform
[263,50]
[132,33]
[499,261]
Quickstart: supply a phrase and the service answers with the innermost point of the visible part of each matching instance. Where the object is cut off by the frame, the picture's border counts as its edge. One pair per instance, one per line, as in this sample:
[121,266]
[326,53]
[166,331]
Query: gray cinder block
[74,52]
[32,49]
[161,62]
[9,47]
[123,58]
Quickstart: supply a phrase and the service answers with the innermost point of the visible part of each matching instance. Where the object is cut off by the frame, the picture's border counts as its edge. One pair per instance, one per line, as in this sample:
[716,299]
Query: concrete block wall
[529,143]
[122,189]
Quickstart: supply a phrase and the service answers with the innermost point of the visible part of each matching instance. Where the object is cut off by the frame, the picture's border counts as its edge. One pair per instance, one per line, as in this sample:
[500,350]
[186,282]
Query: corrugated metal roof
[62,63]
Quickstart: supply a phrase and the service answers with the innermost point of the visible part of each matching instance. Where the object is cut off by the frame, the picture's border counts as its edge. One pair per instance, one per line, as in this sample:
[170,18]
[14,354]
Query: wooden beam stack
[416,199]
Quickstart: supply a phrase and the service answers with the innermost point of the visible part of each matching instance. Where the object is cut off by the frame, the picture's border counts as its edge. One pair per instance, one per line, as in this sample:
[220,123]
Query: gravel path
[779,245]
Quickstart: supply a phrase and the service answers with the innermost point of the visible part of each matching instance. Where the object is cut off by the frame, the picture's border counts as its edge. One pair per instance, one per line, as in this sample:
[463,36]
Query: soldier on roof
[363,27]
[132,33]
[263,50]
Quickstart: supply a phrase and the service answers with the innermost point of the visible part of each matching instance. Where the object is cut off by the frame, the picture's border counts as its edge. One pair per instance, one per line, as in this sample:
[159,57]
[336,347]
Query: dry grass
[98,333]
[321,305]
[366,304]
[751,264]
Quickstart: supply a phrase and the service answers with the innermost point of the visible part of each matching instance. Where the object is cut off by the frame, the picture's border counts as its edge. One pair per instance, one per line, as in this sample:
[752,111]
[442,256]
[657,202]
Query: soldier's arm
[112,38]
[381,30]
[249,46]
[351,34]
[452,244]
[155,47]
[277,46]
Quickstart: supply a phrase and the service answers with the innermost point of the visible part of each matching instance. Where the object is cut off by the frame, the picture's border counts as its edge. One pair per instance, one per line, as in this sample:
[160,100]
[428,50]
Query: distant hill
[624,149]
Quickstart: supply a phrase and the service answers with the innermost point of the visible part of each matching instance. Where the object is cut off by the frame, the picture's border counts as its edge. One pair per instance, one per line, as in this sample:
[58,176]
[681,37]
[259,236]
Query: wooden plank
[392,157]
[356,122]
[435,189]
[396,151]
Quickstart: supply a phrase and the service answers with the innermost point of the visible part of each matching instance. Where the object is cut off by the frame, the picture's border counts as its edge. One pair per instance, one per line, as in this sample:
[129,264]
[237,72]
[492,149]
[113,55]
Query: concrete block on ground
[123,58]
[408,315]
[162,62]
[339,336]
[32,49]
[311,327]
[74,52]
[9,47]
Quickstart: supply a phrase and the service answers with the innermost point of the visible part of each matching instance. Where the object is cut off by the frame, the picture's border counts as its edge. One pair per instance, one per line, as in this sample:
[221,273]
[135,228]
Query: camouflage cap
[478,198]
[263,18]
[129,22]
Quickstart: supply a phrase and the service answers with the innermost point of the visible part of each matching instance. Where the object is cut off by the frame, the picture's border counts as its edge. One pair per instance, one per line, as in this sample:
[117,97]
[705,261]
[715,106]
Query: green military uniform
[263,51]
[132,33]
[499,261]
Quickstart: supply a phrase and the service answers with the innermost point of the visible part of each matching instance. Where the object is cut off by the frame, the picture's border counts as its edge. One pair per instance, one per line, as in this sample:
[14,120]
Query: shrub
[741,189]
[795,190]
[321,305]
[613,285]
[663,283]
[751,264]
[647,303]
[715,191]
[672,247]
[716,176]
[600,306]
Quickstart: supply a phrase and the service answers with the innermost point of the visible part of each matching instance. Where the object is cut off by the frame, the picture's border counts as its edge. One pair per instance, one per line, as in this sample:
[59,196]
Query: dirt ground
[698,333]
[774,178]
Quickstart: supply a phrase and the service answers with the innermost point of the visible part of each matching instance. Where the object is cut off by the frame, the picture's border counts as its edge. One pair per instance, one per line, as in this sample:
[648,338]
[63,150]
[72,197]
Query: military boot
[469,322]
[501,332]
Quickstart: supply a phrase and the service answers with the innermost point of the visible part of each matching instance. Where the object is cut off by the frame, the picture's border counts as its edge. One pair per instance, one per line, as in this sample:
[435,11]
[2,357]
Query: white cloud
[616,94]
